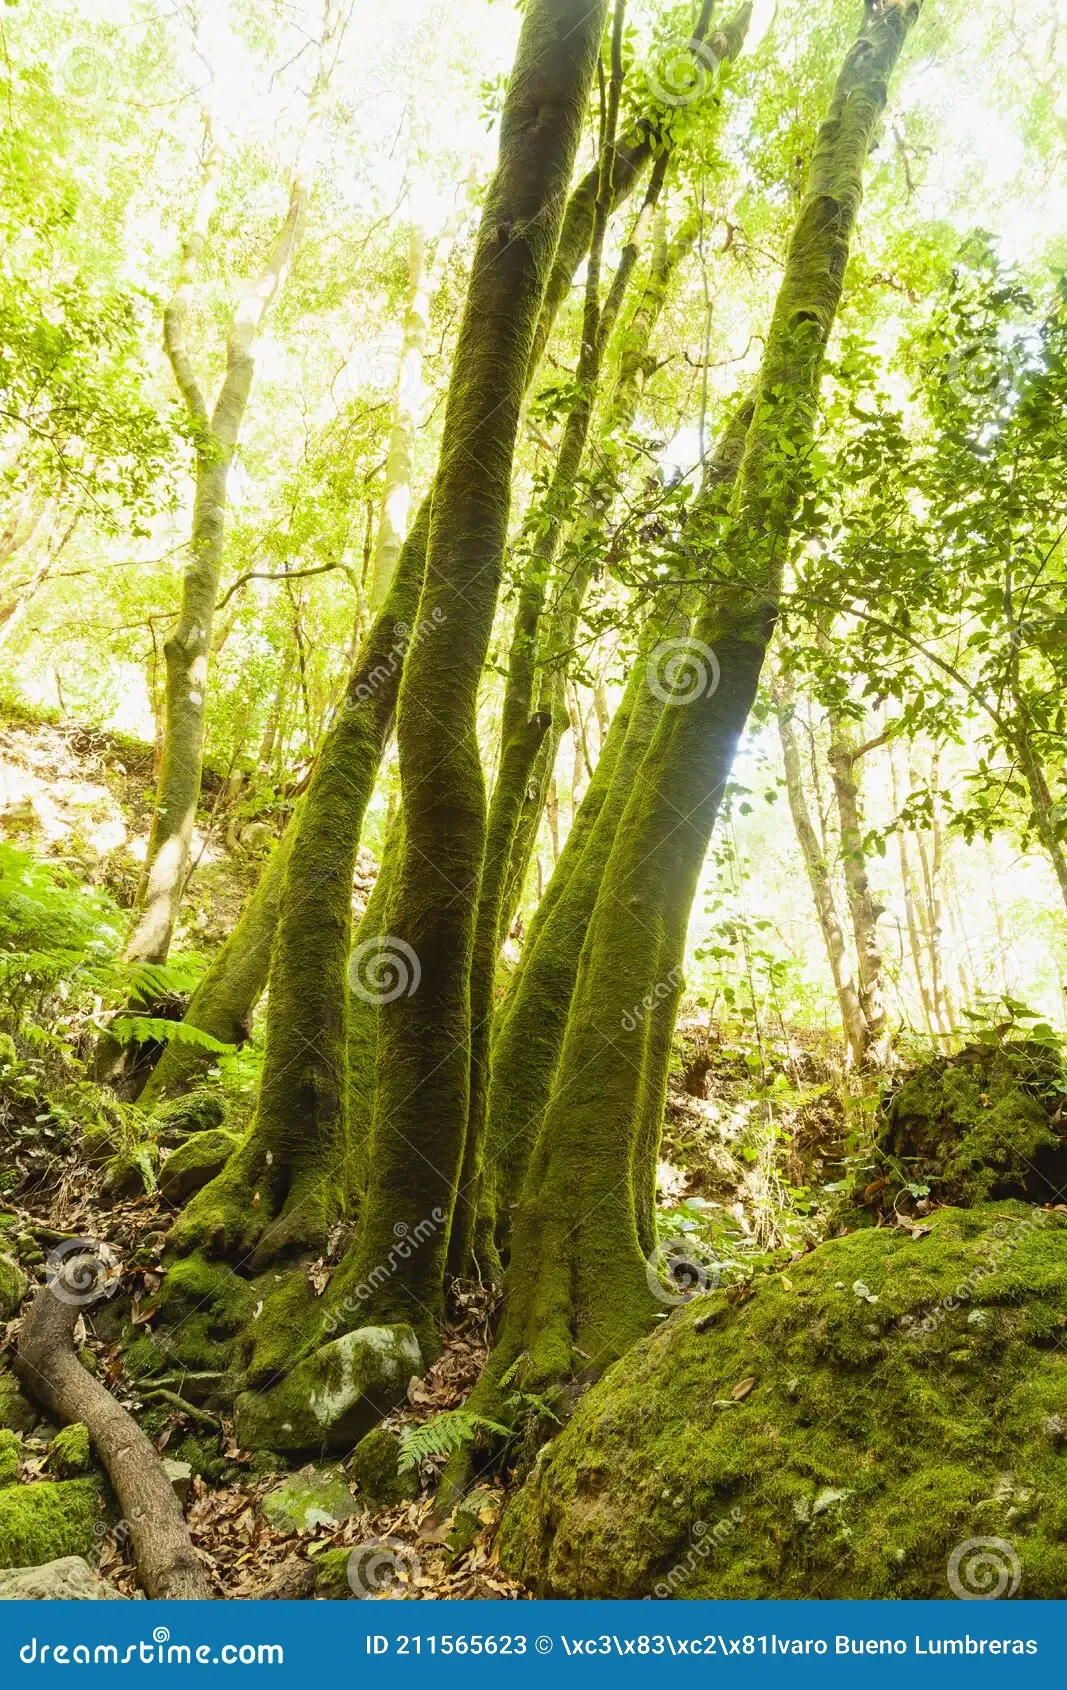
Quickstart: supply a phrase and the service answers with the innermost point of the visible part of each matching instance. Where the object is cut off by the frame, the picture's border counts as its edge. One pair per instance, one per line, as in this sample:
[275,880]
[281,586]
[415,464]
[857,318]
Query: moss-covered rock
[196,1161]
[316,1496]
[375,1469]
[10,1452]
[13,1287]
[68,1580]
[42,1522]
[69,1455]
[17,1413]
[199,1111]
[334,1396]
[981,1124]
[838,1429]
[203,1305]
[290,1312]
[131,1172]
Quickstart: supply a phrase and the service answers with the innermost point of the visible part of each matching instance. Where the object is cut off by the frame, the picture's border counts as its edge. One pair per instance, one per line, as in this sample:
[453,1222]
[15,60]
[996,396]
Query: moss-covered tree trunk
[423,1075]
[579,1290]
[298,1146]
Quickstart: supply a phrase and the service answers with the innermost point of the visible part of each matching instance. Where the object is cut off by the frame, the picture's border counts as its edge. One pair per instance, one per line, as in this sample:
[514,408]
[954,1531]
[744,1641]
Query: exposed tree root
[48,1366]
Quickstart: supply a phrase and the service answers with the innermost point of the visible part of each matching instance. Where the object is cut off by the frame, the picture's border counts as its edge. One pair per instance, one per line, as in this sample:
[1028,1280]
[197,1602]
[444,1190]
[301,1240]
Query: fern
[145,1027]
[443,1435]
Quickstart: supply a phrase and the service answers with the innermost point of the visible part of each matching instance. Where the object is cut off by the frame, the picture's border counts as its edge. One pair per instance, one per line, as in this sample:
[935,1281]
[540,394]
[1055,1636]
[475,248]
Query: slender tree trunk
[862,906]
[578,1291]
[821,881]
[423,1077]
[187,650]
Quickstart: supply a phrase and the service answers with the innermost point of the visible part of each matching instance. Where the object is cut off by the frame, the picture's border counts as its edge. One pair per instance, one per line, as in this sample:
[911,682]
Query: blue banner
[393,1644]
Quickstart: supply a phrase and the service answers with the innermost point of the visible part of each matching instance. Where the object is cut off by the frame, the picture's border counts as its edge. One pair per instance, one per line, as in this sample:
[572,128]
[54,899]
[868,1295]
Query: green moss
[42,1522]
[290,1315]
[10,1452]
[17,1413]
[197,1160]
[316,1496]
[199,1111]
[203,1305]
[980,1124]
[68,1454]
[877,1436]
[331,1574]
[334,1396]
[374,1469]
[13,1287]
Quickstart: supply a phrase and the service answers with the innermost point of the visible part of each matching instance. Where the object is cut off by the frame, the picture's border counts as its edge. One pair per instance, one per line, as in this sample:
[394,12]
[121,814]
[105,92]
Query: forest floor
[752,1122]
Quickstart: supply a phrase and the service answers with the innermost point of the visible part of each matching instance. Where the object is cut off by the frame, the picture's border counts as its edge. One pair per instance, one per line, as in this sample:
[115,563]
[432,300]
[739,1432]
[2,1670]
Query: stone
[10,1451]
[334,1396]
[180,1474]
[195,1163]
[13,1287]
[199,1111]
[316,1496]
[374,1468]
[17,1413]
[45,1520]
[69,1579]
[68,1453]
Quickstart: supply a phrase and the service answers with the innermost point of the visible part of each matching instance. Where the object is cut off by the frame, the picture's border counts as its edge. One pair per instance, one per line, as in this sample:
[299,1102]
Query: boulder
[199,1111]
[13,1287]
[43,1521]
[10,1453]
[861,1425]
[68,1580]
[195,1163]
[333,1397]
[316,1496]
[68,1454]
[374,1468]
[17,1413]
[180,1474]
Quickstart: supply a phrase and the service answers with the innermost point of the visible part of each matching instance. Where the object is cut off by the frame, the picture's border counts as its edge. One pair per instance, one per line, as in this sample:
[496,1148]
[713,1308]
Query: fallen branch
[49,1368]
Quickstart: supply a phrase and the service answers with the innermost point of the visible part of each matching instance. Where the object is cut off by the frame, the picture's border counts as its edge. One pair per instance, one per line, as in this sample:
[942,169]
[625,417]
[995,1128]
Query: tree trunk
[423,1082]
[821,882]
[579,1289]
[862,907]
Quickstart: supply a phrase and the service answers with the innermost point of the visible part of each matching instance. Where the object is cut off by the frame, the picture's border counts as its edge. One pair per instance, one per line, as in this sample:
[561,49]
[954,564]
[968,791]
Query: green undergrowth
[838,1428]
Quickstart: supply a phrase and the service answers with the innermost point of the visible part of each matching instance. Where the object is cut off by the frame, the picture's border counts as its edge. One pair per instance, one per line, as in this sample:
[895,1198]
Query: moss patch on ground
[42,1522]
[837,1429]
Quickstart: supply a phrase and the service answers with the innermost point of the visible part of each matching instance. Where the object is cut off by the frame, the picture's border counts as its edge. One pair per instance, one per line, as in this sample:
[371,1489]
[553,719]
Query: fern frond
[145,1027]
[443,1435]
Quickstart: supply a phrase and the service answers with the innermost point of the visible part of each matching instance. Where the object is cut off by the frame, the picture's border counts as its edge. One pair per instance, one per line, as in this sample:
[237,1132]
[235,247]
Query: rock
[13,1287]
[68,1453]
[316,1496]
[195,1163]
[42,1521]
[131,1173]
[10,1451]
[199,1111]
[17,1413]
[334,1396]
[68,1580]
[374,1469]
[180,1474]
[861,1460]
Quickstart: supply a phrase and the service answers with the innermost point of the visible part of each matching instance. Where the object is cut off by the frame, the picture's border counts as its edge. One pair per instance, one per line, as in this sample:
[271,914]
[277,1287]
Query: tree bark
[48,1366]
